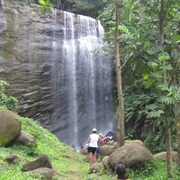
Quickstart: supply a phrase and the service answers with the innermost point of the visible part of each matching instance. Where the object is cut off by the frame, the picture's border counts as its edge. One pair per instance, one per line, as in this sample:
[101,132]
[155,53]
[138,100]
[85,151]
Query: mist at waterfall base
[86,81]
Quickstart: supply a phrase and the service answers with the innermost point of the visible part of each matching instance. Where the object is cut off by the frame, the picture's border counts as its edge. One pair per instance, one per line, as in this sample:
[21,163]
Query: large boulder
[162,156]
[10,127]
[106,150]
[132,155]
[105,162]
[136,141]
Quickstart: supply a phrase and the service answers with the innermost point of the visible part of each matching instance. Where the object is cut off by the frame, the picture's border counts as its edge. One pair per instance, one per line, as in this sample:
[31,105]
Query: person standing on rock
[93,145]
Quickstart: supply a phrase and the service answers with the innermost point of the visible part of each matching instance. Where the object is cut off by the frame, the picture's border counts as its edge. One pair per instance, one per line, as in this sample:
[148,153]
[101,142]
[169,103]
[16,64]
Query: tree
[177,117]
[121,124]
[163,13]
[84,7]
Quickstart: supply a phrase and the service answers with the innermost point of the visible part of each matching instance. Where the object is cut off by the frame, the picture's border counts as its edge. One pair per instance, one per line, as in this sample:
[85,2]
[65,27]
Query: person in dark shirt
[121,172]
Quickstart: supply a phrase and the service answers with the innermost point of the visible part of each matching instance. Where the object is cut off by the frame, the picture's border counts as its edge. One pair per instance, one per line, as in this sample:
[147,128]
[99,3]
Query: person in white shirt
[93,145]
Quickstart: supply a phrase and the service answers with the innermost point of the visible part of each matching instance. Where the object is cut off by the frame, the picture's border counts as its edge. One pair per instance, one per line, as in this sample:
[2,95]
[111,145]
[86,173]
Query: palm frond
[155,114]
[166,100]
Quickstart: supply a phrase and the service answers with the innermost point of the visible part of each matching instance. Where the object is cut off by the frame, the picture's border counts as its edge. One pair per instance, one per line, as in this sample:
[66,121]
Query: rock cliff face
[56,70]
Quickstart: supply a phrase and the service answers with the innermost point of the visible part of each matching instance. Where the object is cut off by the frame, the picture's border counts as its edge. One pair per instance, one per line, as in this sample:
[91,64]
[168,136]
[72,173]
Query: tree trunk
[169,152]
[121,126]
[167,127]
[177,118]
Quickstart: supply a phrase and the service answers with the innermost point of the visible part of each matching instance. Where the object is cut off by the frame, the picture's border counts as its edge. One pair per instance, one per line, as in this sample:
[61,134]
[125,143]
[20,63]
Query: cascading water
[69,48]
[87,82]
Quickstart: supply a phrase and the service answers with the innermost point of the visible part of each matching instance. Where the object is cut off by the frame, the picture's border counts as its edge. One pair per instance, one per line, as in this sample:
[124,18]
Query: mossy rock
[10,127]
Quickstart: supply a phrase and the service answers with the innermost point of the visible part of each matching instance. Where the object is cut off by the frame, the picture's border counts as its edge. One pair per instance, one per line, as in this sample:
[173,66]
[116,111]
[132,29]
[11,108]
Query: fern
[163,56]
[166,100]
[163,87]
[152,65]
[155,114]
[175,54]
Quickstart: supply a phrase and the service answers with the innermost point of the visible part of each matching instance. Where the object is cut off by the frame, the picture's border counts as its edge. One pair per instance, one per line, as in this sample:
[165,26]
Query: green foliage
[45,5]
[87,7]
[7,101]
[153,144]
[129,136]
[43,2]
[136,104]
[148,112]
[153,171]
[2,86]
[158,145]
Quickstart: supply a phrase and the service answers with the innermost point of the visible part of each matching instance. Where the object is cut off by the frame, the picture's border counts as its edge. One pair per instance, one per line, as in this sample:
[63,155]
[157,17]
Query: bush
[155,146]
[153,171]
[8,102]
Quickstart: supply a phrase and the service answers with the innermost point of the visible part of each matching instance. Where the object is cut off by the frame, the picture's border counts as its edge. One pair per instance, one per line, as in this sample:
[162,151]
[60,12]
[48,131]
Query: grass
[63,157]
[71,165]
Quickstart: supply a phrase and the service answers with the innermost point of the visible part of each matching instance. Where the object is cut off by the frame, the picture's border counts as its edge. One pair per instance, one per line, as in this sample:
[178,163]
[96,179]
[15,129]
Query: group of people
[94,142]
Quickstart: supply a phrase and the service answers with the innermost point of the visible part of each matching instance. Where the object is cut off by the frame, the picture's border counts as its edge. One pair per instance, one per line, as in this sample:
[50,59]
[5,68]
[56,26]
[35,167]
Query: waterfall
[69,48]
[83,79]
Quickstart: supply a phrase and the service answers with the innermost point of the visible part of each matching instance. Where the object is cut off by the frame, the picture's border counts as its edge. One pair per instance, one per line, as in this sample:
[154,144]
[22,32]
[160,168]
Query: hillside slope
[64,159]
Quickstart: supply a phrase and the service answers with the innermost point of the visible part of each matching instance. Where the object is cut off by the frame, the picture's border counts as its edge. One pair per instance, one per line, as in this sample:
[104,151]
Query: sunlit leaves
[125,30]
[170,91]
[145,76]
[167,67]
[153,65]
[42,2]
[46,5]
[7,101]
[2,86]
[163,56]
[176,38]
